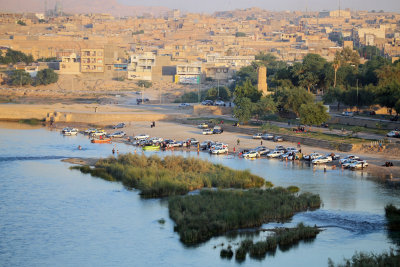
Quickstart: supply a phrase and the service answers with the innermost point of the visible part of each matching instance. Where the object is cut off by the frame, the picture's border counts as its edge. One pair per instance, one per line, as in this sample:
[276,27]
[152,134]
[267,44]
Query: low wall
[201,110]
[365,122]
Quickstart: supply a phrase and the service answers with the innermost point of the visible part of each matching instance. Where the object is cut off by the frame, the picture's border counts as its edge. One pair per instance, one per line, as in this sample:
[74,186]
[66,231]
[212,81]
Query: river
[53,216]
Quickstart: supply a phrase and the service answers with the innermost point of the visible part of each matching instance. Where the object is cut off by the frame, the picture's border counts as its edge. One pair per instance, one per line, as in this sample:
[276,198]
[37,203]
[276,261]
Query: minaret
[262,80]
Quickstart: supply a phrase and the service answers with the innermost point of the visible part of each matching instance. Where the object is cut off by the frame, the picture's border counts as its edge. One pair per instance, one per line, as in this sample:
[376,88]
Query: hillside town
[189,48]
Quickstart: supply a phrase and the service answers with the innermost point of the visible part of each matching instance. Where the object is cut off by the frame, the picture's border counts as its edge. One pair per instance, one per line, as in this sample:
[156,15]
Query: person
[298,145]
[261,142]
[79,147]
[113,151]
[238,141]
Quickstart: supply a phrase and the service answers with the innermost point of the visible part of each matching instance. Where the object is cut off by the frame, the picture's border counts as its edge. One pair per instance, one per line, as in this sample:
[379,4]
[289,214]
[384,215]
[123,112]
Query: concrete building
[188,73]
[92,60]
[70,64]
[141,65]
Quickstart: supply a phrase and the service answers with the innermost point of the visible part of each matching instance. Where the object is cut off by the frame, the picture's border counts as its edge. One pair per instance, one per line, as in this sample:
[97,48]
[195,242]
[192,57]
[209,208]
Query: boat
[151,147]
[101,141]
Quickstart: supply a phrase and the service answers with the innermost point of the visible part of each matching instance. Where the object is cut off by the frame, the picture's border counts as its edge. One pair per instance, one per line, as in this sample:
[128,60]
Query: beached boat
[101,141]
[151,147]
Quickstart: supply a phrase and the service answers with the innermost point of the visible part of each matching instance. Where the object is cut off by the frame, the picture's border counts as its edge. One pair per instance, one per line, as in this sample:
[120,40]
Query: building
[70,64]
[92,60]
[141,65]
[188,73]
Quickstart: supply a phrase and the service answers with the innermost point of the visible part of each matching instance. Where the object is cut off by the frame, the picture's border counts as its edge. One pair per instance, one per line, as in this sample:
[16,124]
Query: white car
[90,130]
[156,140]
[312,156]
[219,150]
[359,164]
[322,160]
[117,134]
[98,133]
[275,154]
[347,158]
[184,105]
[207,131]
[70,131]
[262,150]
[251,154]
[395,134]
[292,149]
[347,163]
[141,137]
[203,125]
[267,136]
[257,136]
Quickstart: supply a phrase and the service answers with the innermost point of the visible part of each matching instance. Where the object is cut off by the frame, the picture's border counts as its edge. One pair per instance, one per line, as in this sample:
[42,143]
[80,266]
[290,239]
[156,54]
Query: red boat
[101,141]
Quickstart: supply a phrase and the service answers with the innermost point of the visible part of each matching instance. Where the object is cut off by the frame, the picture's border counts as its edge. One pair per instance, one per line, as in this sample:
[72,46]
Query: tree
[388,95]
[143,83]
[310,71]
[13,56]
[240,34]
[20,22]
[265,106]
[243,109]
[388,74]
[46,76]
[20,77]
[247,90]
[224,93]
[247,73]
[334,94]
[313,114]
[292,99]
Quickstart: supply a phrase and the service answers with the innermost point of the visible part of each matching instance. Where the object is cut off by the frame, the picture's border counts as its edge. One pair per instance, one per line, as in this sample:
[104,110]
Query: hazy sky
[210,6]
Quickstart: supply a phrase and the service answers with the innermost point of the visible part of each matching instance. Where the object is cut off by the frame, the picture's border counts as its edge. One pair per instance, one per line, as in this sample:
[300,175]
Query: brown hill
[80,6]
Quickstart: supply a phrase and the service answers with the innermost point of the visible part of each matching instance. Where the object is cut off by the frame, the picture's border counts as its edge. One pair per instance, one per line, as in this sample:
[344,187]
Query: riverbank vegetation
[285,238]
[171,175]
[391,259]
[393,217]
[212,213]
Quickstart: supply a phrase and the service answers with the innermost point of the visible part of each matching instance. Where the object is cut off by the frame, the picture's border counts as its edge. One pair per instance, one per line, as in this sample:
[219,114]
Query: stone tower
[262,80]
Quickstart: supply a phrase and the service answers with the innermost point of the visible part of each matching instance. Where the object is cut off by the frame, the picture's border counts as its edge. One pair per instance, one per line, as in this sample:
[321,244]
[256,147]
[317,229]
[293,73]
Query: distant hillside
[80,6]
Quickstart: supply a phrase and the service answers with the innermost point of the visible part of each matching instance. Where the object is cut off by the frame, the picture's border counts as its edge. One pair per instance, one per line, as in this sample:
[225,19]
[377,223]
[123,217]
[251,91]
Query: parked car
[323,159]
[119,125]
[141,137]
[203,125]
[207,131]
[90,130]
[207,103]
[333,156]
[346,164]
[279,147]
[359,164]
[218,130]
[257,136]
[267,136]
[278,139]
[251,154]
[184,105]
[394,134]
[156,140]
[204,145]
[262,150]
[292,149]
[219,103]
[98,132]
[312,156]
[117,134]
[193,141]
[348,113]
[345,159]
[70,131]
[275,154]
[219,150]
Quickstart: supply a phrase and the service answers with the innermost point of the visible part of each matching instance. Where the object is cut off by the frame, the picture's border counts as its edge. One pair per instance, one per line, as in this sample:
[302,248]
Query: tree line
[344,81]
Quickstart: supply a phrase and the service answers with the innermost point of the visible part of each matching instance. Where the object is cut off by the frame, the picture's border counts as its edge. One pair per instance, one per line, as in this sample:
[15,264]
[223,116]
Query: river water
[53,216]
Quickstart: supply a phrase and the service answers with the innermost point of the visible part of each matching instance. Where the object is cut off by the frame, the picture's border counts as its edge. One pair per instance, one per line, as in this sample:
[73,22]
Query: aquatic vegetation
[212,213]
[31,121]
[360,259]
[393,217]
[172,175]
[285,238]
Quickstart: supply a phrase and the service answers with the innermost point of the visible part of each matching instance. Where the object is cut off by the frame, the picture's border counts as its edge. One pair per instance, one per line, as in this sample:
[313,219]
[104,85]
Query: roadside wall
[366,122]
[201,110]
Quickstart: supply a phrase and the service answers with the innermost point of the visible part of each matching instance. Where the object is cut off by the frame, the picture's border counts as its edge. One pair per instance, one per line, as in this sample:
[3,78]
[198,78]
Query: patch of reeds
[285,238]
[361,259]
[172,175]
[30,121]
[212,213]
[393,217]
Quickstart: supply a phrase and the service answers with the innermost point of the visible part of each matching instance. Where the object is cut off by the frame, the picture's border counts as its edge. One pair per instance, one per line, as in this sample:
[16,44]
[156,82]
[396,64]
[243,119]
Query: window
[109,67]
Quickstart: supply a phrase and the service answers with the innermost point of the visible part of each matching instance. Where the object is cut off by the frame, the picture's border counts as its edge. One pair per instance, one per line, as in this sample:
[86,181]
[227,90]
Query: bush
[143,83]
[46,76]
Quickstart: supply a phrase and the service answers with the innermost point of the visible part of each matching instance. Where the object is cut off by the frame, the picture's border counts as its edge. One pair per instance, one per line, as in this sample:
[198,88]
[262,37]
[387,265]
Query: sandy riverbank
[179,132]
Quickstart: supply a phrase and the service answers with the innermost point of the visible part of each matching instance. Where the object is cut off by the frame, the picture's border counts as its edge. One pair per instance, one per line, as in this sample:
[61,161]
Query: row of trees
[43,77]
[343,81]
[13,57]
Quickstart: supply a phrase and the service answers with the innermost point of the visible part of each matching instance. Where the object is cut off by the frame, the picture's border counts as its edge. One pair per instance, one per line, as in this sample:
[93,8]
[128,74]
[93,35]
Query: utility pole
[357,94]
[218,87]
